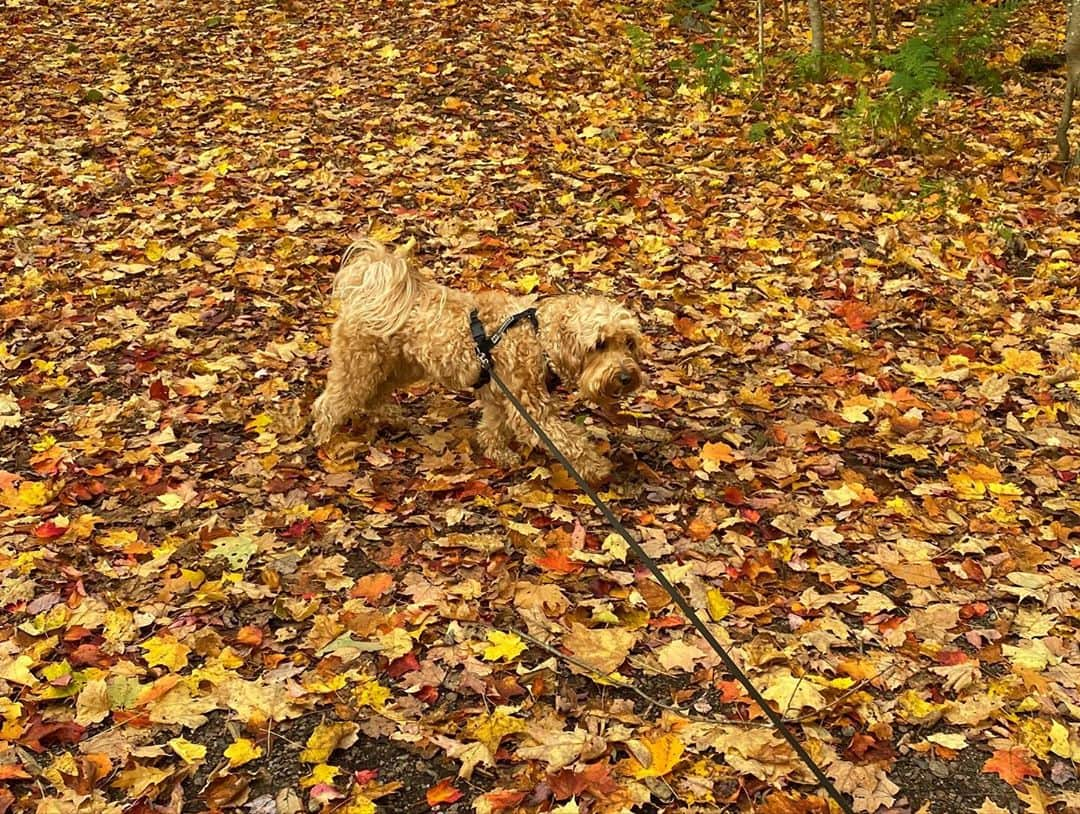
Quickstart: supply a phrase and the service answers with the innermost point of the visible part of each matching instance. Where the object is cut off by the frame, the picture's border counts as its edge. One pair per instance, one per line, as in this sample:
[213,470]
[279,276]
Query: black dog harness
[486,344]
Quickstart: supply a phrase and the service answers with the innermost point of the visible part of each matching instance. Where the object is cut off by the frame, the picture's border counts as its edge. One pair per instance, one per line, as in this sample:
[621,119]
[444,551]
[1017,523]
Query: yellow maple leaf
[665,752]
[841,496]
[790,692]
[913,451]
[855,413]
[950,740]
[1015,360]
[765,244]
[170,501]
[137,779]
[719,605]
[389,52]
[916,709]
[166,651]
[528,283]
[117,538]
[29,495]
[92,705]
[154,251]
[491,729]
[505,646]
[1060,743]
[326,738]
[17,670]
[322,774]
[370,693]
[359,803]
[188,751]
[1033,655]
[242,751]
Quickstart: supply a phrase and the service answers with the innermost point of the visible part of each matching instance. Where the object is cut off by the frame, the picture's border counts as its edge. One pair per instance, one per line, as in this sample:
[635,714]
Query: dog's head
[597,343]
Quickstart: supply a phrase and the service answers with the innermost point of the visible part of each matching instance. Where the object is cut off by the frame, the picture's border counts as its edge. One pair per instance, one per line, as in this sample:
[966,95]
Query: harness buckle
[486,344]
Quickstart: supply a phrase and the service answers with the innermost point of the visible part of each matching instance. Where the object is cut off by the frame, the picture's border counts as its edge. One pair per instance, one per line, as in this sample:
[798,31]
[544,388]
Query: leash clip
[486,344]
[483,344]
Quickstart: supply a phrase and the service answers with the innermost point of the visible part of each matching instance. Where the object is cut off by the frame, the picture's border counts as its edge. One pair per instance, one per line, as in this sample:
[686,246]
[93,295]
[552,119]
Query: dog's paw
[320,434]
[595,470]
[502,457]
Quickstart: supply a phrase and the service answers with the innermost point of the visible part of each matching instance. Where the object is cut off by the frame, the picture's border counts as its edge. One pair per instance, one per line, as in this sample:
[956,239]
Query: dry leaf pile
[857,455]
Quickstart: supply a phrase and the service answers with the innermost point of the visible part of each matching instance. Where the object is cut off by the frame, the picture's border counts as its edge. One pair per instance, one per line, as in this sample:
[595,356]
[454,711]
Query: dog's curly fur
[396,327]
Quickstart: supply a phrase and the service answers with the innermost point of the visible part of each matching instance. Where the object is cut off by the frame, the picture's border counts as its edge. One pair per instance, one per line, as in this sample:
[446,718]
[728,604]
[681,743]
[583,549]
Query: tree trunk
[890,21]
[817,28]
[873,21]
[1072,63]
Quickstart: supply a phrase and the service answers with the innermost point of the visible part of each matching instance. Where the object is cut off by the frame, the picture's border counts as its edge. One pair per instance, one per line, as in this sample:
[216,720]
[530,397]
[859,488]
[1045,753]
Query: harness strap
[486,344]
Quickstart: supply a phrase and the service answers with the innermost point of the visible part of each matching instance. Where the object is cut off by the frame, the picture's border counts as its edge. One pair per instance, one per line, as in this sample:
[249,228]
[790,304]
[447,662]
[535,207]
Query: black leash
[483,351]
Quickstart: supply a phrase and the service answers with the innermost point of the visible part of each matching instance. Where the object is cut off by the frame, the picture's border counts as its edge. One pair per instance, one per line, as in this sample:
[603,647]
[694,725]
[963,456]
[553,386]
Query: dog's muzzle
[624,382]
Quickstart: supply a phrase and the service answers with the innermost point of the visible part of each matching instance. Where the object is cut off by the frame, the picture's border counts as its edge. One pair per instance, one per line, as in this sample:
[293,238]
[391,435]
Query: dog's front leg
[493,435]
[571,439]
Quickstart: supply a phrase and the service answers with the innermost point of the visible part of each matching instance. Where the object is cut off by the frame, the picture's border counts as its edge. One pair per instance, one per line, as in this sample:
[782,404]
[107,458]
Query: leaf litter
[857,454]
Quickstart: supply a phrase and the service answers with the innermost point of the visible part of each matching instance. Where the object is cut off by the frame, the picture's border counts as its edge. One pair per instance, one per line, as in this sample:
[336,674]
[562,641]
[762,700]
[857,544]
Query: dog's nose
[625,379]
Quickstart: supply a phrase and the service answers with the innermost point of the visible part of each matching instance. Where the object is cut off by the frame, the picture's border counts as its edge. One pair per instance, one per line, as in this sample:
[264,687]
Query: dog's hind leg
[359,379]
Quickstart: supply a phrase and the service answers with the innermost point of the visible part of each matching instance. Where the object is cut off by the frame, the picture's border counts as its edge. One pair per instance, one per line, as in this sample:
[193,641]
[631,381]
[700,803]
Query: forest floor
[857,453]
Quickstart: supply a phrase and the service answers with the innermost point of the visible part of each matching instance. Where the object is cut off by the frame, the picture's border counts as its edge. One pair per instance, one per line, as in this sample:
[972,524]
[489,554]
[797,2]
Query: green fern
[949,49]
[916,68]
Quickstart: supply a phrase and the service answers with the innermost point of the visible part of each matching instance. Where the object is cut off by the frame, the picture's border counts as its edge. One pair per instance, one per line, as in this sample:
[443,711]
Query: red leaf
[158,391]
[857,315]
[442,792]
[734,496]
[400,666]
[48,530]
[39,734]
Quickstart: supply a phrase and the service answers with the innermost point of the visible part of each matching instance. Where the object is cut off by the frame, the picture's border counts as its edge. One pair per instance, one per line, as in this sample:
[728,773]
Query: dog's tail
[376,288]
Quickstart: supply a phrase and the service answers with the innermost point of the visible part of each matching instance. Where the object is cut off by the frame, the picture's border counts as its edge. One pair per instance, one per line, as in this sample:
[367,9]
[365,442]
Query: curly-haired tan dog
[396,327]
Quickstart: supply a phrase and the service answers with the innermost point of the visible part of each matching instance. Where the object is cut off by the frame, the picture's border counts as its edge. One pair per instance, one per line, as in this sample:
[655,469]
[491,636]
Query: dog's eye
[631,345]
[601,345]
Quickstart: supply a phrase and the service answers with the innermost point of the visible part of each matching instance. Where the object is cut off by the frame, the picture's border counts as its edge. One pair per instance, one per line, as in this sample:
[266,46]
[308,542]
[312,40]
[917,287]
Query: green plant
[641,45]
[758,131]
[820,67]
[950,48]
[712,62]
[707,67]
[692,15]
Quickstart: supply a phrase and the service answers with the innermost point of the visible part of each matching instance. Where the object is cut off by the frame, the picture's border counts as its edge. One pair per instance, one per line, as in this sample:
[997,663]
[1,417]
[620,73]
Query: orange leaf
[249,635]
[372,586]
[855,313]
[442,792]
[1012,766]
[502,799]
[556,560]
[157,689]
